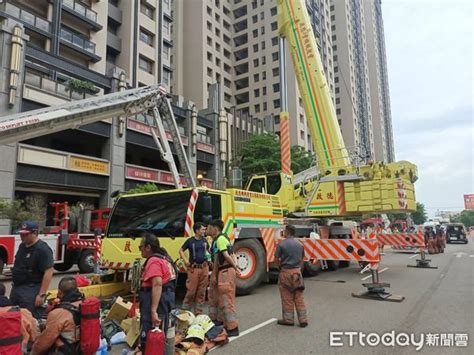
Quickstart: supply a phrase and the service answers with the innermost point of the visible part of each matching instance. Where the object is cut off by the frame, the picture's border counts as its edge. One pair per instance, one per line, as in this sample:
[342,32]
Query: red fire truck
[70,241]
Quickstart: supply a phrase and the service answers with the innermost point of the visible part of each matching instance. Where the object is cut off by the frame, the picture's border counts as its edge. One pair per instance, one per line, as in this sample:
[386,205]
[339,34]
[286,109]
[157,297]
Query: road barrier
[406,240]
[360,250]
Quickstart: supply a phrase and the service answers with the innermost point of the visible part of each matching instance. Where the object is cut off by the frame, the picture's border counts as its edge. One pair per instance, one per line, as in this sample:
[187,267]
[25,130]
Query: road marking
[413,256]
[368,277]
[250,330]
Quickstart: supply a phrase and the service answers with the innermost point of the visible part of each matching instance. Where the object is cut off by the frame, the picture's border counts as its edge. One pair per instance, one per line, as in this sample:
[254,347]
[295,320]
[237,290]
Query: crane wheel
[310,269]
[251,260]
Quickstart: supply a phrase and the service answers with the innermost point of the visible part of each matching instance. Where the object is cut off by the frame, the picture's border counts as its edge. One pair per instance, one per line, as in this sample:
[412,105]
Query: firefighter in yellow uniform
[222,308]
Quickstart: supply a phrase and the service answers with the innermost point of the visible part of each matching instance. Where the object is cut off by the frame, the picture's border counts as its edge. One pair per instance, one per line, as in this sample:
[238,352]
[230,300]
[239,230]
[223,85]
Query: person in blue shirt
[197,269]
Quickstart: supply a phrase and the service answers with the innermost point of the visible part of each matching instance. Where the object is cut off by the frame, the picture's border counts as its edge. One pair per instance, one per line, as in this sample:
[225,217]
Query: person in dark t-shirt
[32,270]
[197,268]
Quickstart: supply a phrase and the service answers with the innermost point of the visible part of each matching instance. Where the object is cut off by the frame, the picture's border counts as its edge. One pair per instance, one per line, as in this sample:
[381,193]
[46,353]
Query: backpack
[173,265]
[87,317]
[10,333]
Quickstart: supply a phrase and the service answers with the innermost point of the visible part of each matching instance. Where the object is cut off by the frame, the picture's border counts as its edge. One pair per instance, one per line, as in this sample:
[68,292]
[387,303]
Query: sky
[429,46]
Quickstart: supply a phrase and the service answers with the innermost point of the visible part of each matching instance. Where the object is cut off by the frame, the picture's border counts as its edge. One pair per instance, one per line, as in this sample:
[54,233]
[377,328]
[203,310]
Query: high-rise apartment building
[71,49]
[362,97]
[235,43]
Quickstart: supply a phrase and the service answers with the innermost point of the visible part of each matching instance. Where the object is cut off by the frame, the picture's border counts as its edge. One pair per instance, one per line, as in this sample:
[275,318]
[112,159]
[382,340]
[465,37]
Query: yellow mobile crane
[336,187]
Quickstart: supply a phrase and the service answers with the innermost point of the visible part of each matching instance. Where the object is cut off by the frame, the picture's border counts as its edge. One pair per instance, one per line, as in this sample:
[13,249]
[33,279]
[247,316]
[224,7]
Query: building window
[147,37]
[262,30]
[263,45]
[255,33]
[255,62]
[257,108]
[209,26]
[264,90]
[166,77]
[264,106]
[255,48]
[262,15]
[273,11]
[209,40]
[264,75]
[276,71]
[256,78]
[276,87]
[256,93]
[337,90]
[218,62]
[274,41]
[209,72]
[336,79]
[147,10]
[275,56]
[166,52]
[338,101]
[338,111]
[274,26]
[209,11]
[276,103]
[209,56]
[145,64]
[254,19]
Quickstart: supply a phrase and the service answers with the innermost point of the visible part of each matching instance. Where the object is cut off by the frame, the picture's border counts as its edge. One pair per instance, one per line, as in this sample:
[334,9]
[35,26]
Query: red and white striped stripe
[114,265]
[98,247]
[81,243]
[341,249]
[270,241]
[341,200]
[285,146]
[400,239]
[190,214]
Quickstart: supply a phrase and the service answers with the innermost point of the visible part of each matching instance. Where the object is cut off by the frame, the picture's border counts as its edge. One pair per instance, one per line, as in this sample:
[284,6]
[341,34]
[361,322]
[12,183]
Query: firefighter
[61,334]
[290,255]
[32,270]
[222,308]
[157,291]
[197,269]
[440,238]
[29,325]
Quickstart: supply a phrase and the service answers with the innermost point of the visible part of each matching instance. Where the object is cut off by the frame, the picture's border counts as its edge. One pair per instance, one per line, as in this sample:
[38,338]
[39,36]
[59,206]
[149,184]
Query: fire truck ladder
[27,125]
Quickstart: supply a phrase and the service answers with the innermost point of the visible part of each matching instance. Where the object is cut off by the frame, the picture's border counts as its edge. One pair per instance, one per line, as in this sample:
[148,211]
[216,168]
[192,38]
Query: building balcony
[36,86]
[114,42]
[30,20]
[79,43]
[115,14]
[83,13]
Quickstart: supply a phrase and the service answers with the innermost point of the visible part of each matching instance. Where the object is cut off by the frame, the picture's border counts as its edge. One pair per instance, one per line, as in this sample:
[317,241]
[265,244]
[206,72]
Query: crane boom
[295,26]
[150,99]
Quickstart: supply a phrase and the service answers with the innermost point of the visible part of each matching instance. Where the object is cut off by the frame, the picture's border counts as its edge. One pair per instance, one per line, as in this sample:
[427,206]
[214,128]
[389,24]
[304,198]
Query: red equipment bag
[155,342]
[10,332]
[90,325]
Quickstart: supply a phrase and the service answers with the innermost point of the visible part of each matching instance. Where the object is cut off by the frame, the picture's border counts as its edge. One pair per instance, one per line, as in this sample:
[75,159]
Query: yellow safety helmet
[204,321]
[195,332]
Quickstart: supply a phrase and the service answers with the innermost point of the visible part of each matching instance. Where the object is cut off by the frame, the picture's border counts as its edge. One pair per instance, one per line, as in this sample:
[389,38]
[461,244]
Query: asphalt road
[439,302]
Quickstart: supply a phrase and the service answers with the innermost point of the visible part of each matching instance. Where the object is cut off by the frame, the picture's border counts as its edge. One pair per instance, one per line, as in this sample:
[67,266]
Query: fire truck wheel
[86,261]
[333,265]
[63,266]
[251,261]
[310,269]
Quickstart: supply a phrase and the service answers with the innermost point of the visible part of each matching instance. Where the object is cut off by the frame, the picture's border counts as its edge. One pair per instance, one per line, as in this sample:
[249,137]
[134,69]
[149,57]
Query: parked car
[456,232]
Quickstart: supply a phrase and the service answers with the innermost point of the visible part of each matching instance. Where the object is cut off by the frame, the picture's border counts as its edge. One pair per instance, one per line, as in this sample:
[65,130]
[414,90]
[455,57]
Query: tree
[466,217]
[143,188]
[261,154]
[17,210]
[419,216]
